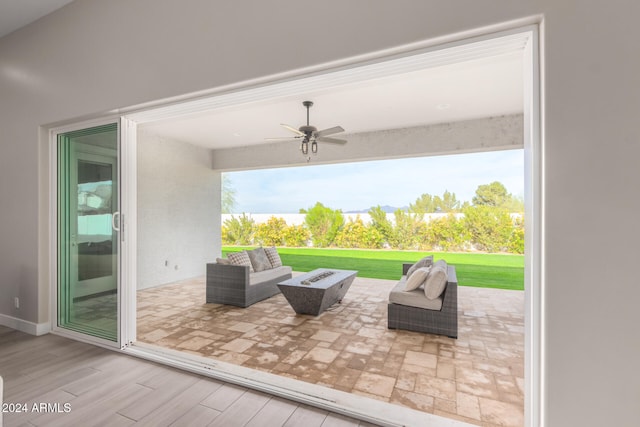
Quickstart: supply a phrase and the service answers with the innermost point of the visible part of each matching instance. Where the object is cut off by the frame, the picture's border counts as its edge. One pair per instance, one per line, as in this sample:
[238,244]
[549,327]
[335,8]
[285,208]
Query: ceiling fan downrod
[307,104]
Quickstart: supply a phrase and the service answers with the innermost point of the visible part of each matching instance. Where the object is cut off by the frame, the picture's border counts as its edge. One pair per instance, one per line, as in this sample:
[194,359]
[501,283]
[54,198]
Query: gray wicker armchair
[441,322]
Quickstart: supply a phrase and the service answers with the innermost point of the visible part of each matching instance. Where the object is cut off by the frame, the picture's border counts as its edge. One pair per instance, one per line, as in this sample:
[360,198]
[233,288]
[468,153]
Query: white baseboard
[24,325]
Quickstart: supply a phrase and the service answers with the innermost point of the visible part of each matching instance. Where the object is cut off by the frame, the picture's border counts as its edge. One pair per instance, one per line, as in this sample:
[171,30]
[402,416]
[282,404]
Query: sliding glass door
[88,235]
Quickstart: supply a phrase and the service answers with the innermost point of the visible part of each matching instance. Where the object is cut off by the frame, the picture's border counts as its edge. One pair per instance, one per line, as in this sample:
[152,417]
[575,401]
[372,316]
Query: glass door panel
[88,244]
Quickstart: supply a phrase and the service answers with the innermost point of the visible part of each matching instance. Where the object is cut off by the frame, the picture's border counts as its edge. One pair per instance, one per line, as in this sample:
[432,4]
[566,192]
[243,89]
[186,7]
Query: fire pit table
[316,291]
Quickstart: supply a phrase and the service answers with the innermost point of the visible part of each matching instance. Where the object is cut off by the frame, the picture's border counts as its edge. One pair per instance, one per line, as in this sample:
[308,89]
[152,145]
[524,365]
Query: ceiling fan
[310,135]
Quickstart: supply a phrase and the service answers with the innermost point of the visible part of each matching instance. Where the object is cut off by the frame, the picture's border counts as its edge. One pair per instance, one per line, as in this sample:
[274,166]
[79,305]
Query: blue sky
[357,186]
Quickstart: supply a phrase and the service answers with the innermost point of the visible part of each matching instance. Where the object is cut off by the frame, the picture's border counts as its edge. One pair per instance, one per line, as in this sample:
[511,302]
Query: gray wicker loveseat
[412,310]
[245,278]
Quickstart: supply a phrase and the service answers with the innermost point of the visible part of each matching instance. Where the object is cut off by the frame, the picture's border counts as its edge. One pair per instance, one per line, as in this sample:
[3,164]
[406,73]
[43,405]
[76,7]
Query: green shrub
[296,235]
[381,224]
[446,234]
[272,232]
[355,234]
[407,230]
[238,231]
[516,241]
[324,224]
[483,227]
[489,227]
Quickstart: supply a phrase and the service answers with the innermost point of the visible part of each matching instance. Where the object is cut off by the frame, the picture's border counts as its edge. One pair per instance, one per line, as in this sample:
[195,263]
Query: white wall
[95,56]
[298,219]
[178,197]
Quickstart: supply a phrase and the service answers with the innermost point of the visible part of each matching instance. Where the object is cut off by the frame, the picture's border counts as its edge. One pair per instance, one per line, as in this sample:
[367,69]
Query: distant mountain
[385,208]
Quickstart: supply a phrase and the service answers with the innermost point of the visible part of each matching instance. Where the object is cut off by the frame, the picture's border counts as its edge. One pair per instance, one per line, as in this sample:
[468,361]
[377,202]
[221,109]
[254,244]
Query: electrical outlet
[16,302]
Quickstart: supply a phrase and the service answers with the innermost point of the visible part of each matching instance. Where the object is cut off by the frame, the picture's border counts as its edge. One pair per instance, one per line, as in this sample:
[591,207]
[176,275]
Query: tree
[228,196]
[494,194]
[515,205]
[427,203]
[324,224]
[449,202]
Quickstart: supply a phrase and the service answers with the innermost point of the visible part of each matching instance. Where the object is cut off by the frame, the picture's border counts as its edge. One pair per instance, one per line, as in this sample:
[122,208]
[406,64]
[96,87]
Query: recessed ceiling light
[443,106]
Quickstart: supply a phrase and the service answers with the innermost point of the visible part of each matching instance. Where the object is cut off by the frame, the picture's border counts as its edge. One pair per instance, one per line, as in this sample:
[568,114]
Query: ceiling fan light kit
[311,135]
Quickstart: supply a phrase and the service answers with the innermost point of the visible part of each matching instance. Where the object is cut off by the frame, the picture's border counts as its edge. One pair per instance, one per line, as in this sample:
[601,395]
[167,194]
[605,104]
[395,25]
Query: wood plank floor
[106,388]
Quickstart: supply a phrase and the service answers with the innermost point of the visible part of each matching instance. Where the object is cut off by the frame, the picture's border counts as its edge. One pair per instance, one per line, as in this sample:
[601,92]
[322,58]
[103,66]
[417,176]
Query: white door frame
[123,258]
[392,61]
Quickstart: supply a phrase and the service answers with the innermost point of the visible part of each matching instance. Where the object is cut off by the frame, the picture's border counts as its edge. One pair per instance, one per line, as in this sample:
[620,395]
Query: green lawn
[480,270]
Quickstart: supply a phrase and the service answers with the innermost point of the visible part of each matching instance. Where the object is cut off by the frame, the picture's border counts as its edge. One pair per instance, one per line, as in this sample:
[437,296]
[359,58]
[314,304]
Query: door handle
[113,221]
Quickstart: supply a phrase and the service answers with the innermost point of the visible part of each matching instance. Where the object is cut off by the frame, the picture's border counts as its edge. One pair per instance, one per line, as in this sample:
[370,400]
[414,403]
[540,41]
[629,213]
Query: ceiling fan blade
[286,138]
[292,129]
[331,140]
[330,131]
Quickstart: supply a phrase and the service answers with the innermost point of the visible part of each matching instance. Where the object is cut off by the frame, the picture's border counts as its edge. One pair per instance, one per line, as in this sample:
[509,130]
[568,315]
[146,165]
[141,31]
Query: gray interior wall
[95,56]
[178,202]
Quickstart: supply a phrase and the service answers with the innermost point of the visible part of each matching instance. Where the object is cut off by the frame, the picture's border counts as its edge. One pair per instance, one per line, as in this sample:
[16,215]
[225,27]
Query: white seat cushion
[271,274]
[414,298]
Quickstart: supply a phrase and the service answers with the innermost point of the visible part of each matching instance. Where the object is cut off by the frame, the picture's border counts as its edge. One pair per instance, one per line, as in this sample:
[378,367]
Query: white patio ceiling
[489,86]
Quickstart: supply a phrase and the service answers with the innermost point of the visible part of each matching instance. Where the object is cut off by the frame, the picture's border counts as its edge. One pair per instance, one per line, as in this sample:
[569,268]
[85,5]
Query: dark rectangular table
[316,291]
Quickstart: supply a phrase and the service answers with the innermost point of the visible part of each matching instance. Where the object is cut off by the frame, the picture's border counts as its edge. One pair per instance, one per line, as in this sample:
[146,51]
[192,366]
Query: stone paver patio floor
[478,378]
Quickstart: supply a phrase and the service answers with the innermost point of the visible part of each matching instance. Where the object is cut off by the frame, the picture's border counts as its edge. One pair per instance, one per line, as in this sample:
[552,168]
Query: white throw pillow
[417,278]
[424,262]
[441,263]
[436,282]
